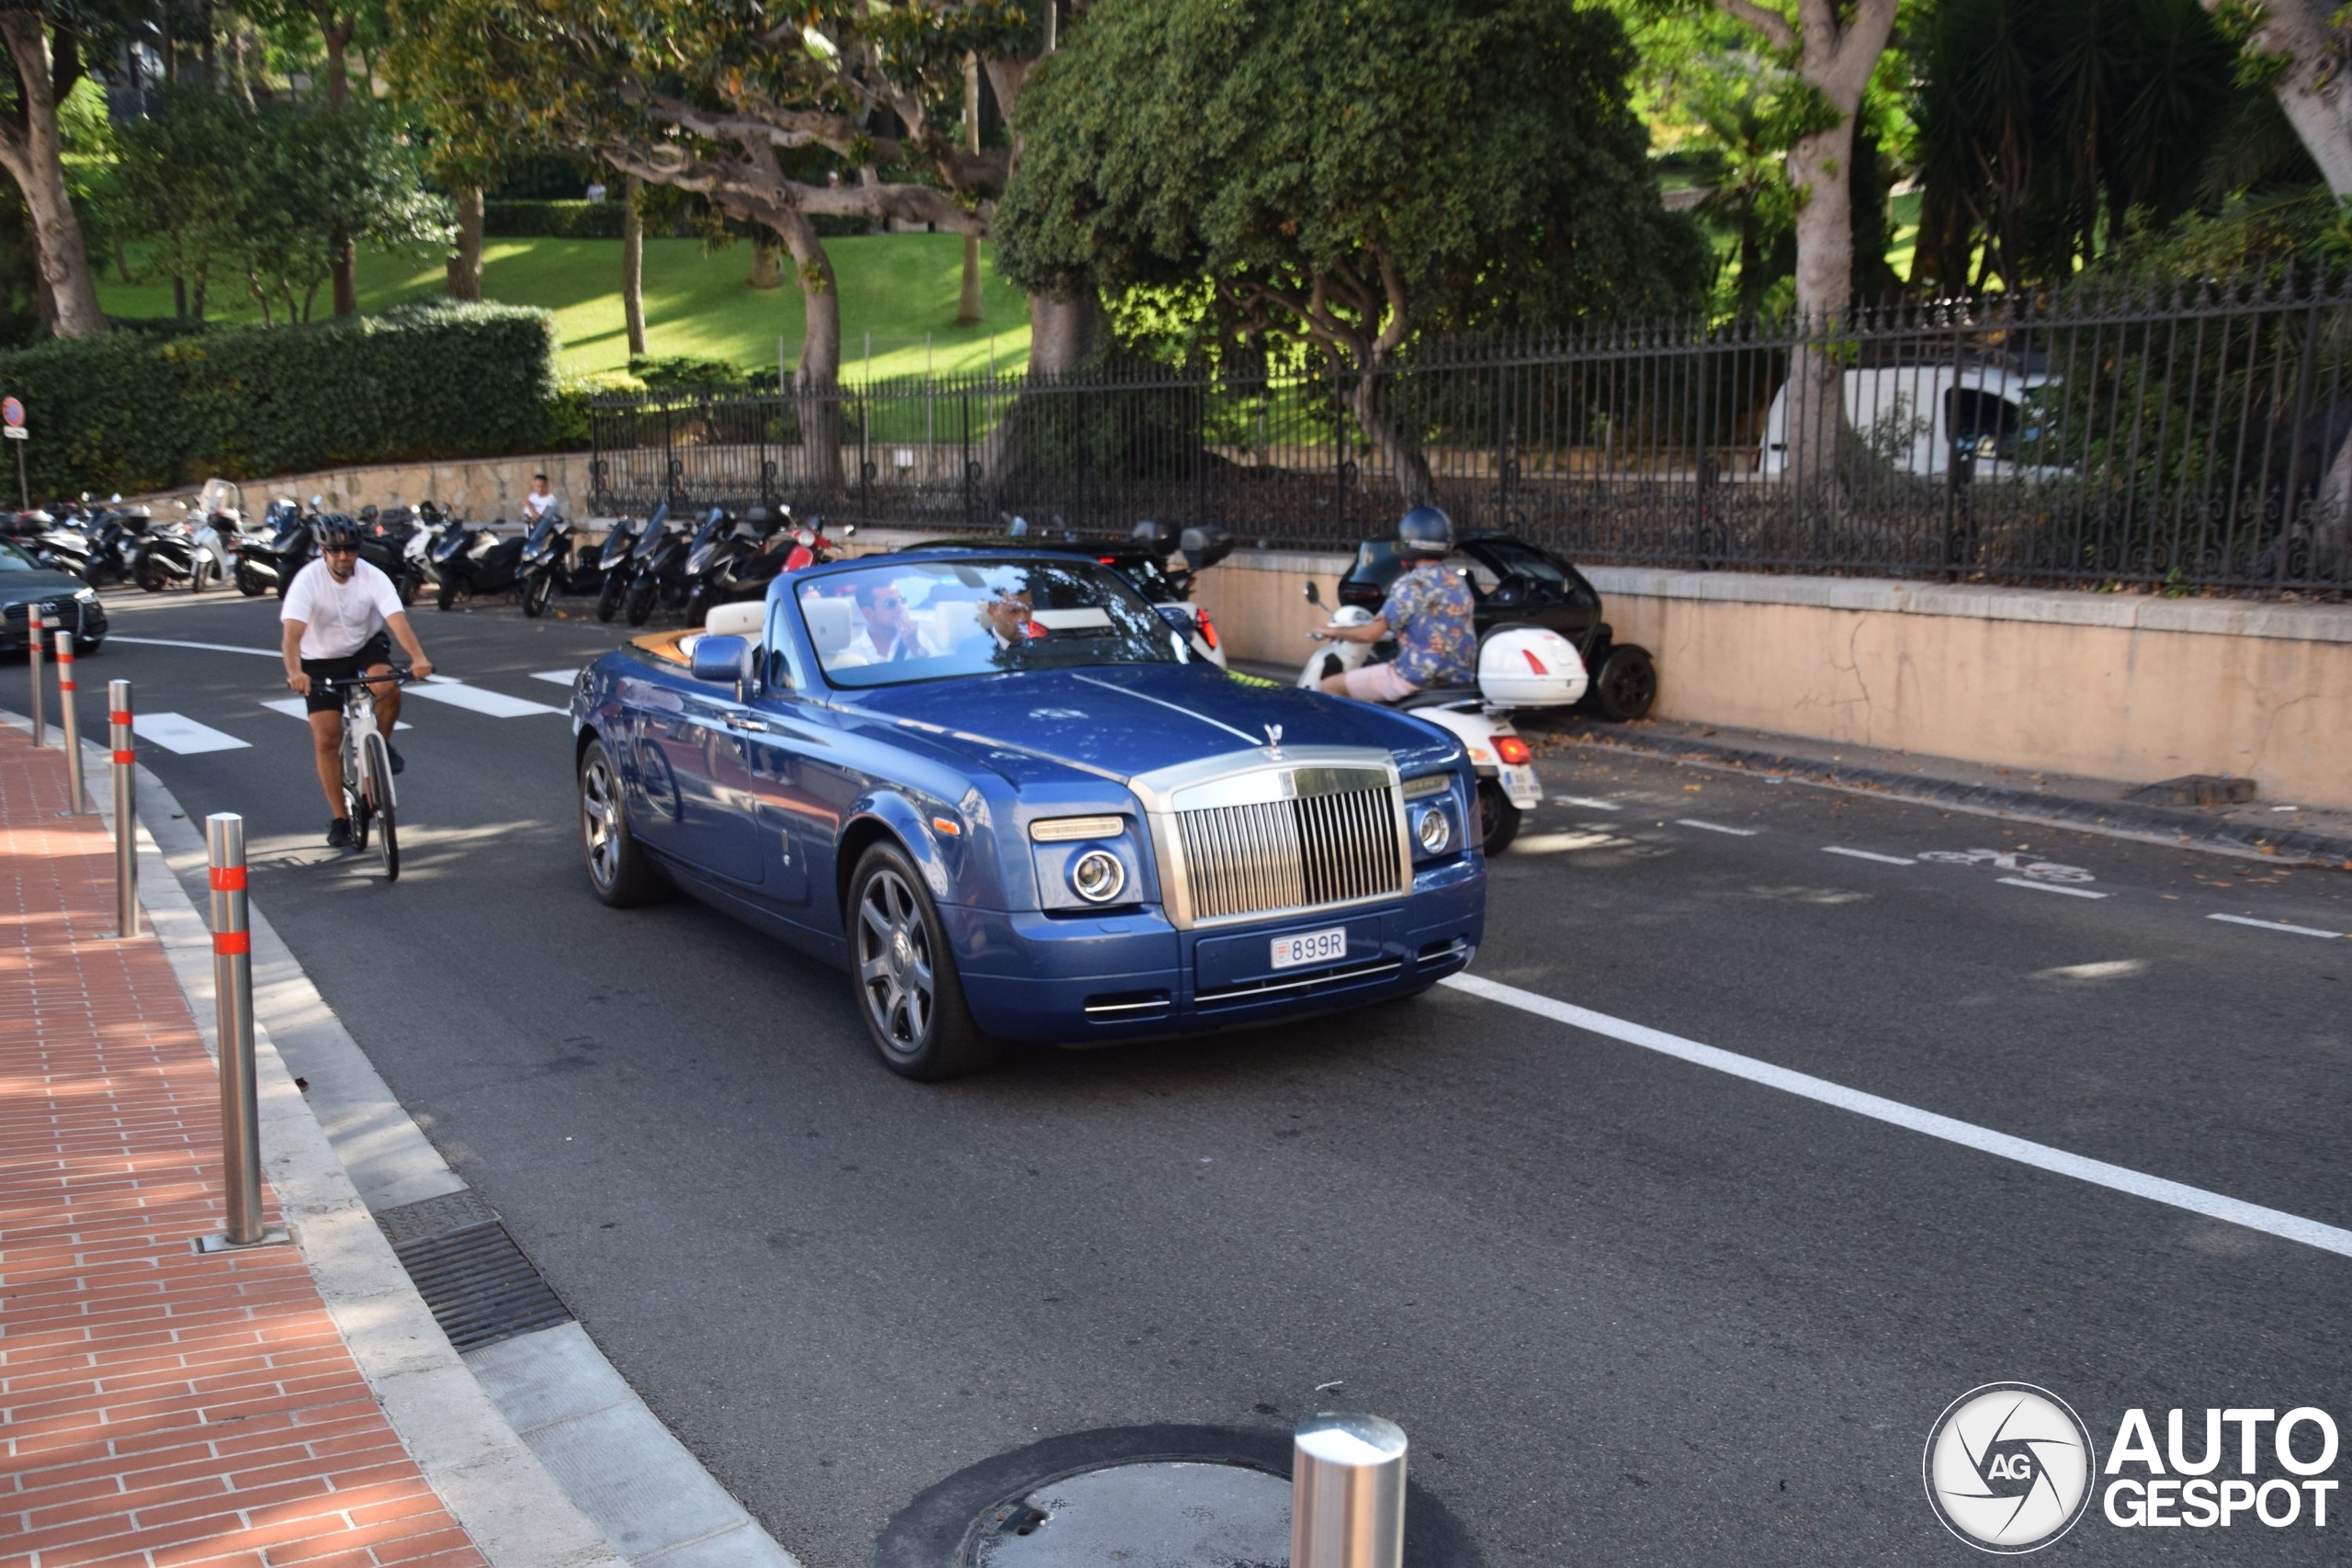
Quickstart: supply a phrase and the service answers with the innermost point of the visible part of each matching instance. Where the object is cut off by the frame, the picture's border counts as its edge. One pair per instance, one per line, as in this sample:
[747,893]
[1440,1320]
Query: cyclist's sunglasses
[342,550]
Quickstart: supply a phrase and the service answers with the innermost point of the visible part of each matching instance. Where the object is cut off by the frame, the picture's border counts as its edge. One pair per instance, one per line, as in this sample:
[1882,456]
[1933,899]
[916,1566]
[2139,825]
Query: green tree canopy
[1347,173]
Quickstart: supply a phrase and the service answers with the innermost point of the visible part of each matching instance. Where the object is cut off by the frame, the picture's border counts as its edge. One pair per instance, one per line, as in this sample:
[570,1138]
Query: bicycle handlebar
[330,683]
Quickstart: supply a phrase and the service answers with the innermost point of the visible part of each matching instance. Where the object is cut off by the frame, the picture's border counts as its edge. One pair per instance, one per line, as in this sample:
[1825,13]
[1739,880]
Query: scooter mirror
[1314,594]
[850,531]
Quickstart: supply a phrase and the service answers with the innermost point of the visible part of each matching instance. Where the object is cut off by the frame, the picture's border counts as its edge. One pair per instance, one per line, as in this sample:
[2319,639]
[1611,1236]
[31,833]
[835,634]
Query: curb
[2151,824]
[513,1500]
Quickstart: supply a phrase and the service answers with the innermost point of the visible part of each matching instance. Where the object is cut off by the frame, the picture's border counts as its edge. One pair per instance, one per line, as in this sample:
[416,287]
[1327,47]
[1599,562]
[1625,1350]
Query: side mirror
[850,531]
[1205,547]
[1314,594]
[722,657]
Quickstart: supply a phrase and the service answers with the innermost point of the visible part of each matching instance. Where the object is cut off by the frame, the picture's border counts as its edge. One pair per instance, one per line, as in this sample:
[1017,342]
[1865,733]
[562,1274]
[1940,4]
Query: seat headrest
[745,618]
[829,626]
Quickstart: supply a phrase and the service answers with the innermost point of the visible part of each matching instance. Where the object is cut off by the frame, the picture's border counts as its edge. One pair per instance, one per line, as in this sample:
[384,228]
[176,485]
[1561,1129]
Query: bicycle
[368,795]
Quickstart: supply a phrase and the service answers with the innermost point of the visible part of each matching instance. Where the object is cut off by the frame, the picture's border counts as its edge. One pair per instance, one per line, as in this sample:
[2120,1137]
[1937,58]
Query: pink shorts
[1379,683]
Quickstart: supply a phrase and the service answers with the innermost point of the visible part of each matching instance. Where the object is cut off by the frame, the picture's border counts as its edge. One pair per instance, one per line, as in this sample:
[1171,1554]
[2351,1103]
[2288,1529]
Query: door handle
[745,721]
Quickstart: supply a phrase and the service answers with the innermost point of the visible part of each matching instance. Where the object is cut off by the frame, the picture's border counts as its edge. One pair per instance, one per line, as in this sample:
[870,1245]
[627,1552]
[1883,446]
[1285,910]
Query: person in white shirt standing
[337,611]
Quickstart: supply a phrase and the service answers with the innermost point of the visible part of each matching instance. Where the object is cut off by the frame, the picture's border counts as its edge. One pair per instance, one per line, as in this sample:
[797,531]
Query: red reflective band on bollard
[227,879]
[126,757]
[232,942]
[66,686]
[123,718]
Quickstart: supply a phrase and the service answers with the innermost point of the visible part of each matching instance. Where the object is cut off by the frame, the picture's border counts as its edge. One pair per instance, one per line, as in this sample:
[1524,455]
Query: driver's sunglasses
[892,602]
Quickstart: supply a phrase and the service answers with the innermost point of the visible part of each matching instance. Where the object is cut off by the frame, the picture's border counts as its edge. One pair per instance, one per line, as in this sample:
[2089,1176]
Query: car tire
[618,871]
[1626,686]
[1498,818]
[902,973]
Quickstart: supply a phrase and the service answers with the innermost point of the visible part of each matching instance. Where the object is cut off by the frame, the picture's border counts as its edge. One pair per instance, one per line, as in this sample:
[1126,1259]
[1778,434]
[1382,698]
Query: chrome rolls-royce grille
[1305,851]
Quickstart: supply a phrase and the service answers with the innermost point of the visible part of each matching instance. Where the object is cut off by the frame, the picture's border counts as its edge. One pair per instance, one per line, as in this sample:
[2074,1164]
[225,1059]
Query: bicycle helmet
[1425,531]
[337,529]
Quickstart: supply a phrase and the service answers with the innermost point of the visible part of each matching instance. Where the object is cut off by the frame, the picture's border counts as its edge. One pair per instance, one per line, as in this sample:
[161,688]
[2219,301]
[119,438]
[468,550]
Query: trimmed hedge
[130,411]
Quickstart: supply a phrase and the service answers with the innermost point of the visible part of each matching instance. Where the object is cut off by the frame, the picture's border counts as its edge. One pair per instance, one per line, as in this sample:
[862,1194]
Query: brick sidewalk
[155,1406]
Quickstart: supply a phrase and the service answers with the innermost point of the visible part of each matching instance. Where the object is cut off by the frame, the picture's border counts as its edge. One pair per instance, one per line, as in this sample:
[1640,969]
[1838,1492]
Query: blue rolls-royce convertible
[999,790]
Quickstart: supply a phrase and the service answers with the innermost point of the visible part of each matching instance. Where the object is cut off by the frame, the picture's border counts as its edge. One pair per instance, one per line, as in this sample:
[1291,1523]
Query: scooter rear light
[1533,663]
[1208,628]
[1513,751]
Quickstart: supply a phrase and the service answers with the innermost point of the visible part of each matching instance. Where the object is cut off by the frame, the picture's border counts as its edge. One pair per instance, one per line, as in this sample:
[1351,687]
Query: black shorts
[376,650]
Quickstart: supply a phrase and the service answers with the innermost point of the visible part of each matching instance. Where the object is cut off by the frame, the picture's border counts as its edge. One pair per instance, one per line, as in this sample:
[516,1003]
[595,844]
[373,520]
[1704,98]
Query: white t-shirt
[338,617]
[535,505]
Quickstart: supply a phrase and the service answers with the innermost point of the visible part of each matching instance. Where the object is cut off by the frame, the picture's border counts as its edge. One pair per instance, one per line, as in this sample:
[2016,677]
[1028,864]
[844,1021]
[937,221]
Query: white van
[1911,415]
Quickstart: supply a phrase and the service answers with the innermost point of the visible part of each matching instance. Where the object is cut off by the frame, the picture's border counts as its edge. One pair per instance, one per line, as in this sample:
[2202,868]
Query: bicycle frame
[358,723]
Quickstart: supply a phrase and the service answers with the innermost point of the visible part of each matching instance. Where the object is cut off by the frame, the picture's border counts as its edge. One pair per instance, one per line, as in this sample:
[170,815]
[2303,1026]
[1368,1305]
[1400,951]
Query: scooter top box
[1530,667]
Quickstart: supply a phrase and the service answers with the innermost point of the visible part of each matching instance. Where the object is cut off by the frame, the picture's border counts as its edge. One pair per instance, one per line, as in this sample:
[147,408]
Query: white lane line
[1585,800]
[2048,887]
[2273,926]
[292,708]
[1717,827]
[1868,854]
[2041,1156]
[177,732]
[474,699]
[207,646]
[554,677]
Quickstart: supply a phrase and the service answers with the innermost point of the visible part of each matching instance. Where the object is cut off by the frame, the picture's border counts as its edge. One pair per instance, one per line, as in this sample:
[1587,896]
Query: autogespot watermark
[2010,1468]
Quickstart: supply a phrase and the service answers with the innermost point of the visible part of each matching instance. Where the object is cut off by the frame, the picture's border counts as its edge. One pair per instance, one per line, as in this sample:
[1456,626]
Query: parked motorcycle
[739,562]
[477,561]
[1518,667]
[546,561]
[264,556]
[657,568]
[619,558]
[115,533]
[56,543]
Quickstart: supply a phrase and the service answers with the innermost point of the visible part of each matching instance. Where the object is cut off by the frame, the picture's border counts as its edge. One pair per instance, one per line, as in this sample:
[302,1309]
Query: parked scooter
[268,558]
[547,560]
[657,568]
[477,561]
[115,533]
[619,559]
[185,550]
[740,561]
[56,543]
[1518,667]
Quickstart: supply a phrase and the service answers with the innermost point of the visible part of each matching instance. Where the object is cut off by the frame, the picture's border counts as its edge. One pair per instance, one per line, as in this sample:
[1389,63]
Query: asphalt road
[1631,1310]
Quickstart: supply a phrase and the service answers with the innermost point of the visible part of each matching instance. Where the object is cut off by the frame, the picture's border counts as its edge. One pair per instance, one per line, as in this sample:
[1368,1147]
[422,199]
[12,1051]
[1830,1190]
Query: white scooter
[1518,667]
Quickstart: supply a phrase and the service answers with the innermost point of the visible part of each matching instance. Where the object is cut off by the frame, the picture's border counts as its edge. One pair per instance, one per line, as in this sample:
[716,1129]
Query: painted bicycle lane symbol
[2015,864]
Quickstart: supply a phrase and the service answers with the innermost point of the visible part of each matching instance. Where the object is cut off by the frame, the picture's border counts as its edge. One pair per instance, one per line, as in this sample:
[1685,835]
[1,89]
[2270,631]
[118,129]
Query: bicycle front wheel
[379,786]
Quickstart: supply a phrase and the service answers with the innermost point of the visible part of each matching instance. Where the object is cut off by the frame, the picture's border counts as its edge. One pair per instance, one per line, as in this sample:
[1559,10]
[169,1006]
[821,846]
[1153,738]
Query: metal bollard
[126,820]
[233,990]
[32,656]
[1347,1493]
[71,723]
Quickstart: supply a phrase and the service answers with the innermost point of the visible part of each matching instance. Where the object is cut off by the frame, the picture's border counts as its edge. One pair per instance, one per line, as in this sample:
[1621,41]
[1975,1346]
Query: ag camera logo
[2008,1468]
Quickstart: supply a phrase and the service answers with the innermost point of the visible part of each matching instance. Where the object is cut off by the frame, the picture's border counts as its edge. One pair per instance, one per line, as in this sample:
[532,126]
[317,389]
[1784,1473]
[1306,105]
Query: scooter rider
[1429,612]
[337,609]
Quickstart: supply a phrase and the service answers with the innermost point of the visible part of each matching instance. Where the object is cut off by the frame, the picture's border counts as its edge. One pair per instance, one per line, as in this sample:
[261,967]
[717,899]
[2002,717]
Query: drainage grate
[481,1286]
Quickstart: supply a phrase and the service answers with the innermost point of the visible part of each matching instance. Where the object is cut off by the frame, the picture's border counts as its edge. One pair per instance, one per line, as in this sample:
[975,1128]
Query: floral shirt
[1429,612]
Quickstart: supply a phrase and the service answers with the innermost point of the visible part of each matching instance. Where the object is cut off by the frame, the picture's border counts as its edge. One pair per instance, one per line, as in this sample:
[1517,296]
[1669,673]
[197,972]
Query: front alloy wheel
[617,869]
[908,992]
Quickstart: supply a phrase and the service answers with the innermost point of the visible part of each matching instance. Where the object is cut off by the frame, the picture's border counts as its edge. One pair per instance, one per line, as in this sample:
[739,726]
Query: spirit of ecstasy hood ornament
[1273,740]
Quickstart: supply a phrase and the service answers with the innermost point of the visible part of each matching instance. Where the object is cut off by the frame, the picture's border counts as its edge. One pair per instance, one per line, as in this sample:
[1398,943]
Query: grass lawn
[895,286]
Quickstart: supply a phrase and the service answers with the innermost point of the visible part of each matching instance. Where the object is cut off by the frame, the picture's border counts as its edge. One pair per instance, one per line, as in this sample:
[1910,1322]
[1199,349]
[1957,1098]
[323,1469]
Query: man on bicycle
[337,609]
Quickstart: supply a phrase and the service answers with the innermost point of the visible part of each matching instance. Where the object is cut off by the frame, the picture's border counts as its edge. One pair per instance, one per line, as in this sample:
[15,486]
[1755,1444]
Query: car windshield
[888,625]
[15,559]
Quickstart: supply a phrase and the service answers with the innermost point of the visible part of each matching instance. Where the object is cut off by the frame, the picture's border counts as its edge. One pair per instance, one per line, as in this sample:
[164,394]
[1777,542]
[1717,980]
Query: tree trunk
[2310,84]
[633,265]
[765,273]
[973,308]
[465,264]
[341,253]
[1061,332]
[1816,415]
[1415,485]
[816,383]
[179,297]
[34,157]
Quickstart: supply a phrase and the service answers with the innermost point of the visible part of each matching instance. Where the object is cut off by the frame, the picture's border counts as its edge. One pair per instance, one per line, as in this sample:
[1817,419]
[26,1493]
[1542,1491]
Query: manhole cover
[1144,1515]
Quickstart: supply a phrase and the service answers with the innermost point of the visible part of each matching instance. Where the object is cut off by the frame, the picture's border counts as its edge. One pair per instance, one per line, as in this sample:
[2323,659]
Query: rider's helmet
[337,529]
[1425,531]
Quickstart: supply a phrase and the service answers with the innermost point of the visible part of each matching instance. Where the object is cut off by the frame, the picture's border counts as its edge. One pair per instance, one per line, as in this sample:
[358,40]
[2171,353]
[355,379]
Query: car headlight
[85,595]
[1433,831]
[1097,877]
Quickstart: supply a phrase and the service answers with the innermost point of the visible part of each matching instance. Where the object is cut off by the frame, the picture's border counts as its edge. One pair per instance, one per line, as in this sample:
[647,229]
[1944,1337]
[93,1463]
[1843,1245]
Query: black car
[65,604]
[1516,583]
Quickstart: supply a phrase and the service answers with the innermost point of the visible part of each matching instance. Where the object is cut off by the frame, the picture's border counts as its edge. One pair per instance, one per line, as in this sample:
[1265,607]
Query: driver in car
[890,632]
[1429,613]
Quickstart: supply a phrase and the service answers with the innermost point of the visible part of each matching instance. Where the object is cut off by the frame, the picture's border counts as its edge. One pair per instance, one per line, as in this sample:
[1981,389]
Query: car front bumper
[85,620]
[1084,980]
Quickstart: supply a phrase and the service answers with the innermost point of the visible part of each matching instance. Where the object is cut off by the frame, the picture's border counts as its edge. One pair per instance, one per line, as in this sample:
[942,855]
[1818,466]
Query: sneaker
[339,833]
[394,751]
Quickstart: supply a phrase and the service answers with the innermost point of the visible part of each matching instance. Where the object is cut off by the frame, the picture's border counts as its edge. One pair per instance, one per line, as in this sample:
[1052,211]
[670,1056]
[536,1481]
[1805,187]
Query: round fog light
[1097,877]
[1433,831]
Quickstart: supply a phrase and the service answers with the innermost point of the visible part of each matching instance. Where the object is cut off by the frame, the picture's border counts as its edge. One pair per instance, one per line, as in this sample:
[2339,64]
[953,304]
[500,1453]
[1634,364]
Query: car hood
[1123,720]
[15,587]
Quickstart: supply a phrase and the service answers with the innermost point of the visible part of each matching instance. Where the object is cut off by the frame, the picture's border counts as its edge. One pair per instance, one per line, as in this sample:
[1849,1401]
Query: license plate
[1313,947]
[1524,789]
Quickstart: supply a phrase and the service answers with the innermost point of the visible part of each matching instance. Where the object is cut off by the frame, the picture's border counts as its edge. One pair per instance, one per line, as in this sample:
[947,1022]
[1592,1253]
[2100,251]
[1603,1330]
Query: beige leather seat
[748,618]
[830,626]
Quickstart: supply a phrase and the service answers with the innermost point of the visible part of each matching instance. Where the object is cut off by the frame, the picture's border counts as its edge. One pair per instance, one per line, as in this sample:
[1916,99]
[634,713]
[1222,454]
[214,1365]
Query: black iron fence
[2198,440]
